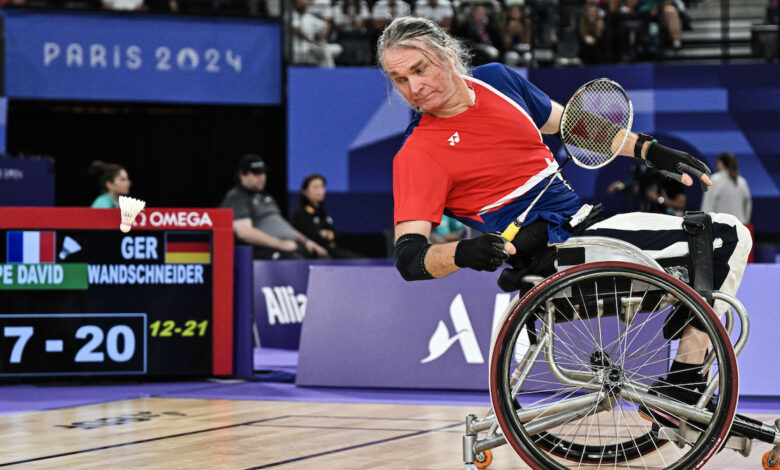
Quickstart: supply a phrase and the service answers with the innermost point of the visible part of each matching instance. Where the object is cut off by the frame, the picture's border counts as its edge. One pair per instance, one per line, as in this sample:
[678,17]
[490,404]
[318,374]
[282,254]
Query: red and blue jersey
[487,164]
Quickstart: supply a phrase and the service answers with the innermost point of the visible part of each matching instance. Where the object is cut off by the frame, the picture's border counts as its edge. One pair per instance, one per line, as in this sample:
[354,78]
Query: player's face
[120,184]
[422,78]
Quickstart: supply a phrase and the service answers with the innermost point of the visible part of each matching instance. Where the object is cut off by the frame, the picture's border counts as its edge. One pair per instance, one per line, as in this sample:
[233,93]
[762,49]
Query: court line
[343,428]
[379,419]
[356,446]
[247,423]
[142,441]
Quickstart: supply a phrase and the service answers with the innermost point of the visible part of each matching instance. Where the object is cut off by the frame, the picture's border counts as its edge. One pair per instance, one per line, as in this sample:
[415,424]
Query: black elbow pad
[409,256]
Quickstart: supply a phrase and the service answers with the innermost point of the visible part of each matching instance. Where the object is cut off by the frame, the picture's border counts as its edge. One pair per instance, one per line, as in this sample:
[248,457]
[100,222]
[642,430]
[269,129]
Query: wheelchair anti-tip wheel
[573,363]
[771,459]
[484,459]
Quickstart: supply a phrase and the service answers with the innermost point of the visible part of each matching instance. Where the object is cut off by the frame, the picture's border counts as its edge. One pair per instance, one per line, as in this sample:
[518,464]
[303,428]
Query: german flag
[188,247]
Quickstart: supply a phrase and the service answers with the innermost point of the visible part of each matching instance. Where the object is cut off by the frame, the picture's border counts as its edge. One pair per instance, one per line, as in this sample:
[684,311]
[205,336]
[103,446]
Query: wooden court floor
[166,433]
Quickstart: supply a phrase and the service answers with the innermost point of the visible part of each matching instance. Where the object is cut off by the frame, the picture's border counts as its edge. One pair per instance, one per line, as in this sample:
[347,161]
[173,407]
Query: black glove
[482,253]
[673,163]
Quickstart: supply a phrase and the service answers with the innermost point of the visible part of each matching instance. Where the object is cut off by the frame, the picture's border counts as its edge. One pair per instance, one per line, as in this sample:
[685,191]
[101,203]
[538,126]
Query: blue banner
[26,182]
[141,58]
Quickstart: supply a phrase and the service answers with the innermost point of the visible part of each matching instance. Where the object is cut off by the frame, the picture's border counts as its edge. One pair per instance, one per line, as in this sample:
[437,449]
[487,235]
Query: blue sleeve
[410,128]
[518,88]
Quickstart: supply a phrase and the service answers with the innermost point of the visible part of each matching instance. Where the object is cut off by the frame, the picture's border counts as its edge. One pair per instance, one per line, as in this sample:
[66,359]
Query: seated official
[312,219]
[257,220]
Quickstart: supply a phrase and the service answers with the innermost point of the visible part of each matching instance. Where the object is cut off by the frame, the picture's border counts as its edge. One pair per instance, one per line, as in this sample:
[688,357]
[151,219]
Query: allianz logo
[283,305]
[463,333]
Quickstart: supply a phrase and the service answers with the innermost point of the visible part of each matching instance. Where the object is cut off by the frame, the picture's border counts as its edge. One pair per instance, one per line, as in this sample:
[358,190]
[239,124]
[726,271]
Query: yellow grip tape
[510,232]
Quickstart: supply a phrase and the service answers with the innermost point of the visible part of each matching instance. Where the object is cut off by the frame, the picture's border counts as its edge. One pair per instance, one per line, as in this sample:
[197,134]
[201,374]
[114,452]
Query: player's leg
[663,237]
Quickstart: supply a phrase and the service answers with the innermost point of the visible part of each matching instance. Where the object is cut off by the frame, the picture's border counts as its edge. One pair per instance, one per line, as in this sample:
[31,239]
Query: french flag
[30,247]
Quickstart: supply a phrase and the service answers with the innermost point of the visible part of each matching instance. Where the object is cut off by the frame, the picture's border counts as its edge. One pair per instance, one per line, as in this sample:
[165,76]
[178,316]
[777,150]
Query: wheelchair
[574,359]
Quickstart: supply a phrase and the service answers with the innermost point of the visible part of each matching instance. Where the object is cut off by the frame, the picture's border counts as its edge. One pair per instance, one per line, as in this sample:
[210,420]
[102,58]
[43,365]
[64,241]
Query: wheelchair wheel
[573,362]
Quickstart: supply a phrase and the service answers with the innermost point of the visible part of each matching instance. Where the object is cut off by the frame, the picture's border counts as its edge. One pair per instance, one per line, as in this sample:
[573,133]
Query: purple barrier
[366,327]
[759,368]
[279,298]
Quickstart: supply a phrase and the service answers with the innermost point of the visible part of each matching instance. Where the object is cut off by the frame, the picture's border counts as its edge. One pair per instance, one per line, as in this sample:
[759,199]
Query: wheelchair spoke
[574,325]
[587,354]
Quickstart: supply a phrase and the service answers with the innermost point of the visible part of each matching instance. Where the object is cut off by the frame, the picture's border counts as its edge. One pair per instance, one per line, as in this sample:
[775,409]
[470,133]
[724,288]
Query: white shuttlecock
[130,208]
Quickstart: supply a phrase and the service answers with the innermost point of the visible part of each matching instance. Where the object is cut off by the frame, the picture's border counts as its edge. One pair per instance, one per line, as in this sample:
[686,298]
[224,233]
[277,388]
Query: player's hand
[678,165]
[288,245]
[486,252]
[313,247]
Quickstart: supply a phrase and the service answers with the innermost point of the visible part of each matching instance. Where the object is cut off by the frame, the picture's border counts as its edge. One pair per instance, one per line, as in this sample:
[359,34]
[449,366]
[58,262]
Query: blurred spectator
[163,6]
[649,191]
[482,36]
[123,5]
[673,11]
[646,11]
[591,32]
[113,181]
[622,27]
[310,35]
[386,11]
[449,230]
[261,8]
[322,9]
[547,19]
[351,15]
[351,19]
[257,220]
[311,216]
[516,37]
[729,193]
[666,197]
[440,11]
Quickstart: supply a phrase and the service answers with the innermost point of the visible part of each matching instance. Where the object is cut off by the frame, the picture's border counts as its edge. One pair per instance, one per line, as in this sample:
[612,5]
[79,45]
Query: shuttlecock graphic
[130,208]
[69,246]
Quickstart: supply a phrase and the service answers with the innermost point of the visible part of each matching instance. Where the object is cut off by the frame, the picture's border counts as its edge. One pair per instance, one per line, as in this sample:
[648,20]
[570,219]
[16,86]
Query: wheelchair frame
[476,450]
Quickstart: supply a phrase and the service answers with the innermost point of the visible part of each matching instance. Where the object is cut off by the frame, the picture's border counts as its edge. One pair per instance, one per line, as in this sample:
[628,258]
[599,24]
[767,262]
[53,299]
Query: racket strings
[595,123]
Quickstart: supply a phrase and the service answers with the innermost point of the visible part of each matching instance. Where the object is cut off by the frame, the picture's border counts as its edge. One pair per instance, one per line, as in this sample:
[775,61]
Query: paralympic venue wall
[351,132]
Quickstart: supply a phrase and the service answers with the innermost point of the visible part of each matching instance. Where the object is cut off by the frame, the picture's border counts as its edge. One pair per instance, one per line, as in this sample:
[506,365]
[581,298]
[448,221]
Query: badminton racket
[595,124]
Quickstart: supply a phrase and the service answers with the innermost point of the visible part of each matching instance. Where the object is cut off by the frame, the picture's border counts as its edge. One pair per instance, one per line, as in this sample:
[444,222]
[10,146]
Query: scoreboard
[79,297]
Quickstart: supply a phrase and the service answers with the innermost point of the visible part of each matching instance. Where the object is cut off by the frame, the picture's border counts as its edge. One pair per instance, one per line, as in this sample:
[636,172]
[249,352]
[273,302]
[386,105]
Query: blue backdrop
[90,56]
[26,182]
[347,124]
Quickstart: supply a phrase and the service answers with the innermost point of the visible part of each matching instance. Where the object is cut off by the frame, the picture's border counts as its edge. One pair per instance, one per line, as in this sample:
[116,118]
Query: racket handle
[510,232]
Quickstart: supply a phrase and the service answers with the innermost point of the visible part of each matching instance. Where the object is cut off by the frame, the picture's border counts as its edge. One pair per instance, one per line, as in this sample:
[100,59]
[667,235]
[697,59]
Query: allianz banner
[279,297]
[366,327]
[92,56]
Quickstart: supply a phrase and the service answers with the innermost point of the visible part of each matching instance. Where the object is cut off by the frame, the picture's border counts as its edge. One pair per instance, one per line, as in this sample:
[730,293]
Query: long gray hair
[408,32]
[404,32]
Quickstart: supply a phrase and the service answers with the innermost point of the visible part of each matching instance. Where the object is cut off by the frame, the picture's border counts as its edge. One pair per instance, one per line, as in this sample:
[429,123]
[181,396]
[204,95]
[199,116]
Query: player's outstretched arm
[416,259]
[553,124]
[673,163]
